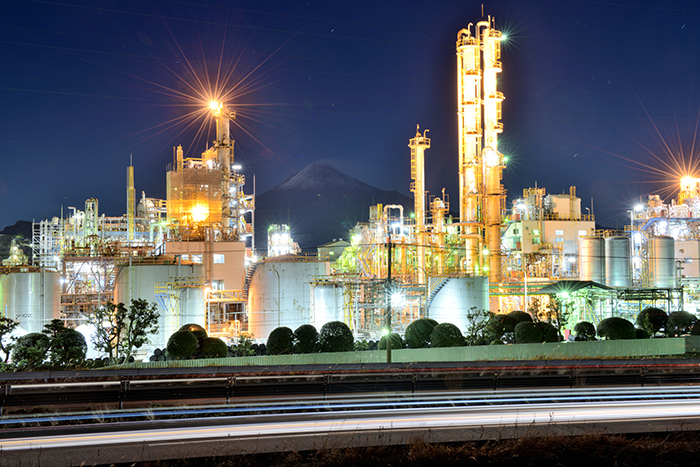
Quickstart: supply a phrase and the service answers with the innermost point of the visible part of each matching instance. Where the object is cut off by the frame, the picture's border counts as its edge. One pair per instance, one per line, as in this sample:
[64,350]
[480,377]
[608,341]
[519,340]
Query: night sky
[600,95]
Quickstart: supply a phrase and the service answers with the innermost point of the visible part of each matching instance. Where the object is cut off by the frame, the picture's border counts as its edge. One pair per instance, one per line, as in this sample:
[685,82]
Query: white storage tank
[187,301]
[280,295]
[33,297]
[662,261]
[327,304]
[456,296]
[591,259]
[617,262]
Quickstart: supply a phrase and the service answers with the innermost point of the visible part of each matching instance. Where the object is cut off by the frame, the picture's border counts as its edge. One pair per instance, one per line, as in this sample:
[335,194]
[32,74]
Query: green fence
[553,351]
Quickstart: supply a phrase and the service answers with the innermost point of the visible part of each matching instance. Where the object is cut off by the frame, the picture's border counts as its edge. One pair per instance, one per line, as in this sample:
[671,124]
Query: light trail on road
[504,413]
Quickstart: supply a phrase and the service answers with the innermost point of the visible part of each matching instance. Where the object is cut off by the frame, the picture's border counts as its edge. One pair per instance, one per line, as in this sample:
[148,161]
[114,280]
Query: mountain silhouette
[320,204]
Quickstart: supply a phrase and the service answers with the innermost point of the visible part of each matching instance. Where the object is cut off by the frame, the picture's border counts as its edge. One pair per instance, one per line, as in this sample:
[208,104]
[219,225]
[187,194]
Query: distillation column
[130,202]
[223,146]
[418,145]
[494,199]
[469,117]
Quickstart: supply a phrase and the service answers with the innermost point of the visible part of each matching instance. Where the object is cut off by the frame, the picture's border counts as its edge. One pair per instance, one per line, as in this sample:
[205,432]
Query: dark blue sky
[601,95]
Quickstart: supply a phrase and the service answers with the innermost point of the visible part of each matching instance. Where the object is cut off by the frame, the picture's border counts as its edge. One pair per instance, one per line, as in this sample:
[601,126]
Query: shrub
[498,326]
[306,339]
[446,335]
[199,332]
[652,320]
[695,330]
[616,328]
[395,339]
[419,331]
[679,323]
[182,345]
[30,350]
[584,331]
[551,334]
[519,316]
[280,341]
[336,337]
[212,347]
[527,332]
[68,347]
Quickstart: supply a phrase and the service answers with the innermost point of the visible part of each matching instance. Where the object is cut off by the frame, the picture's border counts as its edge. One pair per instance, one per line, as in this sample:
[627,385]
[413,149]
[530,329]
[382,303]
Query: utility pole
[388,300]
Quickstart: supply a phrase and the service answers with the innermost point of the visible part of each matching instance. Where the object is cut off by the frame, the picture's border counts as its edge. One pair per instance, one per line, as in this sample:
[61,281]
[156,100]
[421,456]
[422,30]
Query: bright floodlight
[639,207]
[397,299]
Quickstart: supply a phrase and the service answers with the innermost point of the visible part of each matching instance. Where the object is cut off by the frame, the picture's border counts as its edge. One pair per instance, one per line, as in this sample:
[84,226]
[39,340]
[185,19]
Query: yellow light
[200,213]
[216,107]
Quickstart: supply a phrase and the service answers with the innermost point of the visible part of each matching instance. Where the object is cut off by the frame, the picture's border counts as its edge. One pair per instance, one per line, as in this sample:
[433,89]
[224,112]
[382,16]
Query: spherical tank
[456,296]
[176,302]
[662,261]
[32,298]
[280,295]
[327,304]
[591,259]
[617,262]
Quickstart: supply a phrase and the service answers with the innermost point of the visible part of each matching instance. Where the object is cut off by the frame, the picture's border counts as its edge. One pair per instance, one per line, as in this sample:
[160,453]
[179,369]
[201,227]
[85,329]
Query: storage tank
[455,297]
[327,304]
[31,297]
[280,295]
[180,290]
[591,259]
[662,261]
[617,262]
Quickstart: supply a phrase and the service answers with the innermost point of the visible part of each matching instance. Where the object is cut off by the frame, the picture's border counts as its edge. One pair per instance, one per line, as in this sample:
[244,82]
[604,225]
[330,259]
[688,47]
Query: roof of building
[570,287]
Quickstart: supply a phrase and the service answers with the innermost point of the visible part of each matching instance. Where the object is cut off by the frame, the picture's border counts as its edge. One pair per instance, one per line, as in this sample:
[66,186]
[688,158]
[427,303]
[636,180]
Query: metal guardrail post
[123,387]
[230,385]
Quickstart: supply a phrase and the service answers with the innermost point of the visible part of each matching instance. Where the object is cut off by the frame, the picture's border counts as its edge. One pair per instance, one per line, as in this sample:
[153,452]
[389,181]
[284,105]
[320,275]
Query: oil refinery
[193,253]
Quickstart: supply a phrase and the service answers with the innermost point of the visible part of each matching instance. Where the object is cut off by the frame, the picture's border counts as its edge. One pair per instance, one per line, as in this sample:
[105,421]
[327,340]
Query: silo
[327,304]
[662,261]
[456,296]
[176,300]
[591,259]
[280,295]
[617,262]
[32,297]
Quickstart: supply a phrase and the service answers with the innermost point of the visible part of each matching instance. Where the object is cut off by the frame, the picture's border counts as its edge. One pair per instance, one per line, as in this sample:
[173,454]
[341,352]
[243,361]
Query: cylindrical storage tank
[456,296]
[617,262]
[176,302]
[32,298]
[591,259]
[662,261]
[280,294]
[327,304]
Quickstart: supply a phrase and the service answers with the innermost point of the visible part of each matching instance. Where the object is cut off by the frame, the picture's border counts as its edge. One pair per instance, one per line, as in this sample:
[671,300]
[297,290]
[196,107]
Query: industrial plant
[194,253]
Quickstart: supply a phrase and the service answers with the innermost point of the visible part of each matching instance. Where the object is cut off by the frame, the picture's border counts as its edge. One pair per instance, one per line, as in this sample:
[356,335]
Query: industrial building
[194,255]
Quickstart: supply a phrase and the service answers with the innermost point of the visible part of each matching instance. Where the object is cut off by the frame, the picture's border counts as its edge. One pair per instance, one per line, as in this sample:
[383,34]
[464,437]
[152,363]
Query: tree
[520,316]
[680,323]
[418,333]
[67,347]
[182,345]
[120,331]
[446,335]
[616,328]
[394,338]
[336,336]
[651,319]
[280,341]
[475,331]
[306,339]
[7,326]
[30,350]
[584,331]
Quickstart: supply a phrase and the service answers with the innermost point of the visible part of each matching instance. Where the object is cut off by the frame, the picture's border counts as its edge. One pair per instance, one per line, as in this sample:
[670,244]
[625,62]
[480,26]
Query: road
[367,421]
